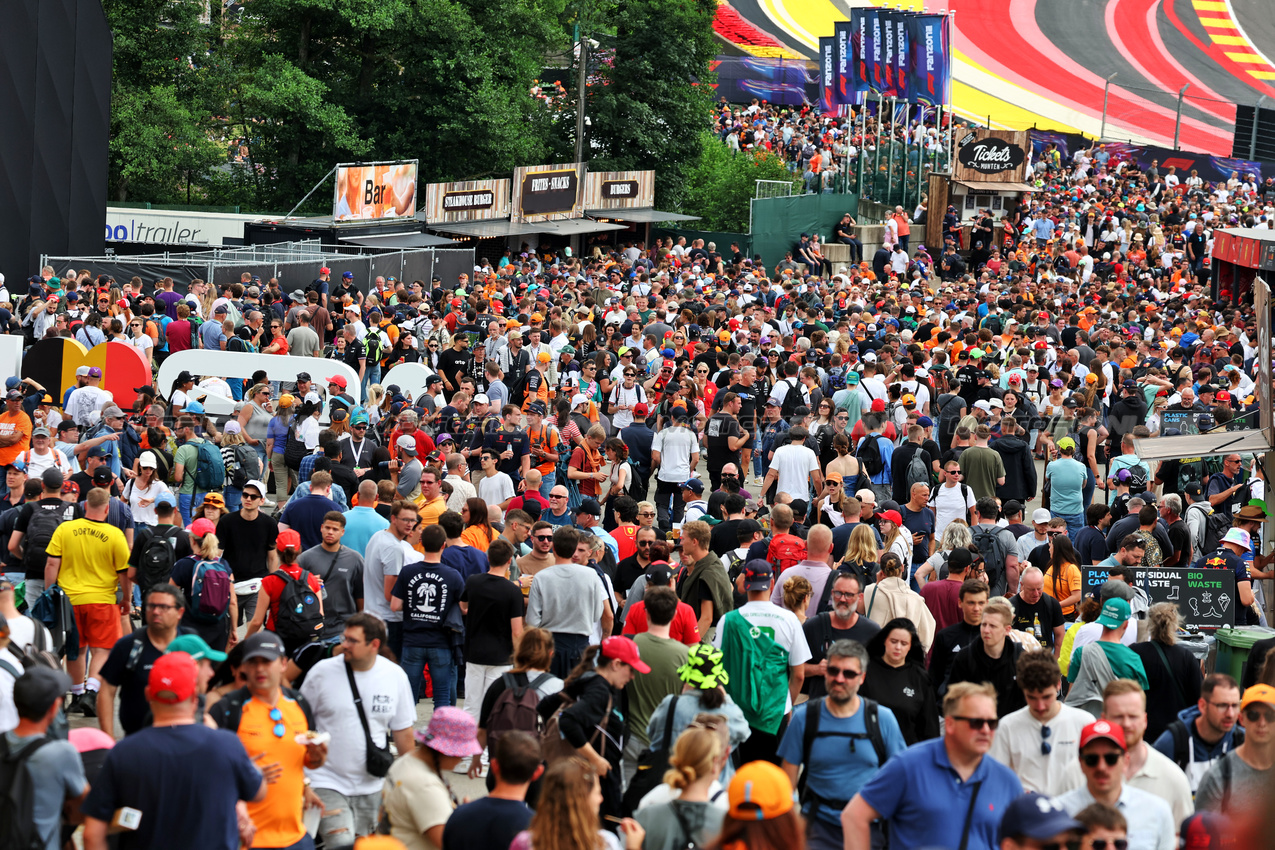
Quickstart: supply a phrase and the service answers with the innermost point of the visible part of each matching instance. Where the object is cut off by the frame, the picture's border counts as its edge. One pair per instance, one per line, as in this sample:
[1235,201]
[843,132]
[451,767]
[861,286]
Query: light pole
[1106,90]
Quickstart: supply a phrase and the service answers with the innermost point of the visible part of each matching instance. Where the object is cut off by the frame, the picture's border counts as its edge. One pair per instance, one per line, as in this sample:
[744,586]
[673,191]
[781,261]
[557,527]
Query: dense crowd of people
[707,554]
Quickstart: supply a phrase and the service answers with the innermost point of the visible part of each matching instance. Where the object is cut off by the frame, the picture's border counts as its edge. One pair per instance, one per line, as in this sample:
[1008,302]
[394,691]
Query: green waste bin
[1233,645]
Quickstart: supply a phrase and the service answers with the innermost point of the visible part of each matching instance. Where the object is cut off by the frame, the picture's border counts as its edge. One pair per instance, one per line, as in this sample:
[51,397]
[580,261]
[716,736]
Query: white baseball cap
[1041,516]
[579,399]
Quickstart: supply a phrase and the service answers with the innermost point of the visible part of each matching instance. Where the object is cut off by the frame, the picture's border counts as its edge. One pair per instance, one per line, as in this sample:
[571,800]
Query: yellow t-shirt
[93,554]
[431,511]
[1068,582]
[278,816]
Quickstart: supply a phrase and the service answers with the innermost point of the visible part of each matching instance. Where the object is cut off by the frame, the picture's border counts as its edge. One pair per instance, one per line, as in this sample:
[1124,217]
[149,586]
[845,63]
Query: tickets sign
[373,192]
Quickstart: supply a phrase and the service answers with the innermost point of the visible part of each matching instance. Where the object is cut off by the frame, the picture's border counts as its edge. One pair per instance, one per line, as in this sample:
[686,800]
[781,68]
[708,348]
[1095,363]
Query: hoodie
[1203,751]
[1020,470]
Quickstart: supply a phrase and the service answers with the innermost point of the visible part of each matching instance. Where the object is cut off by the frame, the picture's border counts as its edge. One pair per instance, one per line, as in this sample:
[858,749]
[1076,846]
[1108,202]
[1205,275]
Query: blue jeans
[232,495]
[441,672]
[547,482]
[188,503]
[1075,522]
[372,375]
[1091,484]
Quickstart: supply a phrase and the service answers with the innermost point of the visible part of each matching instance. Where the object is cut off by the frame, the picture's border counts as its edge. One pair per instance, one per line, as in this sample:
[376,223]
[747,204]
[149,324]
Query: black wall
[55,99]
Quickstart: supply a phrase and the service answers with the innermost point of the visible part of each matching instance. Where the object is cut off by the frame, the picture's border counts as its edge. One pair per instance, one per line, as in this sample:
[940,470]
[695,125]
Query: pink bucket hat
[451,732]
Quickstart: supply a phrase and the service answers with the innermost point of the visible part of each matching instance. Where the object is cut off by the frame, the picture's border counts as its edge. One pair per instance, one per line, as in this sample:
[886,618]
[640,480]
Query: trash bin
[1233,645]
[1199,645]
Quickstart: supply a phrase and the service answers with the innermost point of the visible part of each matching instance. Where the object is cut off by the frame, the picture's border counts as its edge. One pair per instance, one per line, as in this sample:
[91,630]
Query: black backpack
[994,552]
[651,765]
[869,455]
[44,521]
[1216,524]
[155,566]
[871,720]
[17,806]
[792,399]
[247,466]
[300,616]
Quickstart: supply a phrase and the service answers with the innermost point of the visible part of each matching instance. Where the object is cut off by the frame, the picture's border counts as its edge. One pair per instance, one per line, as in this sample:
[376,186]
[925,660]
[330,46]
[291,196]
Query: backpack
[786,550]
[155,565]
[1216,524]
[871,720]
[651,765]
[918,471]
[1137,479]
[294,450]
[210,469]
[44,521]
[228,711]
[1182,737]
[555,748]
[373,345]
[994,552]
[1154,555]
[869,455]
[965,500]
[300,616]
[210,588]
[515,708]
[792,399]
[17,805]
[247,466]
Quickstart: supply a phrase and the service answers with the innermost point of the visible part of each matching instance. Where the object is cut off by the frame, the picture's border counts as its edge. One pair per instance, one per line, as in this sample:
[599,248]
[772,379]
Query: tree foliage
[656,96]
[300,85]
[721,183]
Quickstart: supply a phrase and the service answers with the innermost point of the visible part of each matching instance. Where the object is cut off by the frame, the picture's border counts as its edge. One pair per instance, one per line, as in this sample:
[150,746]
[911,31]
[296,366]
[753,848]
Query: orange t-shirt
[14,423]
[278,816]
[476,537]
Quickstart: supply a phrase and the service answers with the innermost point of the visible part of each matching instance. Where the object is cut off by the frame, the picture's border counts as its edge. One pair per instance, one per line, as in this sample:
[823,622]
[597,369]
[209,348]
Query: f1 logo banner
[827,74]
[930,63]
[844,83]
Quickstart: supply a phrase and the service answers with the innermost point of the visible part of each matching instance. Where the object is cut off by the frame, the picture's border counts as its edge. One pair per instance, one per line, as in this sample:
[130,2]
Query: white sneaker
[462,768]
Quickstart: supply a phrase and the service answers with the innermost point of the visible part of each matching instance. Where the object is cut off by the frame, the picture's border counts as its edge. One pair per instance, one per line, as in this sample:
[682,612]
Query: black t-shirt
[627,572]
[354,353]
[724,537]
[820,635]
[485,822]
[718,431]
[131,682]
[493,601]
[968,378]
[1180,537]
[748,408]
[1049,611]
[245,544]
[453,364]
[85,482]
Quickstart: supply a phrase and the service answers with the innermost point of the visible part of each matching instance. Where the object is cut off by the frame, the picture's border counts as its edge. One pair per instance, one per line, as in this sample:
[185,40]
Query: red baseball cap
[339,380]
[878,405]
[1102,729]
[325,270]
[893,516]
[172,679]
[640,409]
[623,649]
[288,539]
[201,527]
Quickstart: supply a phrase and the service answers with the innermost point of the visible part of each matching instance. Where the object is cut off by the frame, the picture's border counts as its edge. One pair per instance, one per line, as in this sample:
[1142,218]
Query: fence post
[1177,122]
[1252,136]
[1106,90]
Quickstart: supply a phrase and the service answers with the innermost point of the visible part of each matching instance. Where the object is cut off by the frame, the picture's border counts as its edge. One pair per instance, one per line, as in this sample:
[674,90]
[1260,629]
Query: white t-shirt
[37,463]
[781,625]
[142,342]
[308,430]
[793,464]
[22,633]
[949,504]
[387,704]
[1017,746]
[675,445]
[495,489]
[8,713]
[1090,632]
[145,515]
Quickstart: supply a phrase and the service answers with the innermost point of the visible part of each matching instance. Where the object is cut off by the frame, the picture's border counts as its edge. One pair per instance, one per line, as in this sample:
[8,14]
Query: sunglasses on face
[1254,714]
[1092,759]
[977,723]
[843,672]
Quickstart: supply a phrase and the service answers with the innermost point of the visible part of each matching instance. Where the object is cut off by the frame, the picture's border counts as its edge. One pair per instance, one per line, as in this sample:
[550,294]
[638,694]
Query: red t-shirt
[943,598]
[519,503]
[424,443]
[684,628]
[626,538]
[273,585]
[178,335]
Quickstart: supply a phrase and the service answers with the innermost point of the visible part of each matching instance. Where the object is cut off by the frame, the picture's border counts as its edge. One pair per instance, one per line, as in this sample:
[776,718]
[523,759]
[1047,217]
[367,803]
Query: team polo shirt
[278,816]
[926,801]
[93,554]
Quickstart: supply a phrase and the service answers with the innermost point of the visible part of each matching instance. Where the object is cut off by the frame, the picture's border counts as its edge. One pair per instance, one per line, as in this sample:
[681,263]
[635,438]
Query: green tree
[656,96]
[722,182]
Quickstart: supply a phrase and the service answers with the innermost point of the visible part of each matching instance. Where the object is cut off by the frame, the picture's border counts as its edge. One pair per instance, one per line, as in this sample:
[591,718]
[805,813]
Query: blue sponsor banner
[930,62]
[827,74]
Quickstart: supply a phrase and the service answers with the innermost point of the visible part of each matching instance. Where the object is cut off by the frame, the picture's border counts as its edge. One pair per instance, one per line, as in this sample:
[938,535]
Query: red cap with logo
[288,539]
[1101,729]
[623,649]
[172,679]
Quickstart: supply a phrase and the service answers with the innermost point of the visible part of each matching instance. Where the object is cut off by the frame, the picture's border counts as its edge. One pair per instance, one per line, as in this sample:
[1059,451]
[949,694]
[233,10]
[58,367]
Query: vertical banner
[931,64]
[902,61]
[860,44]
[827,74]
[846,91]
[876,79]
[889,86]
